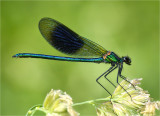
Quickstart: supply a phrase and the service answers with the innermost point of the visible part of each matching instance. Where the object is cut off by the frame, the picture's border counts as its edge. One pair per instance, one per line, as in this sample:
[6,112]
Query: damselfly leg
[97,80]
[127,81]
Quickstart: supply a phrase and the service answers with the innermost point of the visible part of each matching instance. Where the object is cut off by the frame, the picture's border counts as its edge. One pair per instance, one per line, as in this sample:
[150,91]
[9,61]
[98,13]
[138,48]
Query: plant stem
[34,109]
[91,101]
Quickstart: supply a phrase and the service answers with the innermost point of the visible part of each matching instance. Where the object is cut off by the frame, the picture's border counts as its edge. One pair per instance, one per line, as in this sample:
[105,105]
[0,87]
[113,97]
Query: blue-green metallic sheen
[112,58]
[23,55]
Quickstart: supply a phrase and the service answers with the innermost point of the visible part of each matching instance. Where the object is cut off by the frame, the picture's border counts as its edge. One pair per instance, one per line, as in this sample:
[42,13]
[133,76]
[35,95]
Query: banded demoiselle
[65,40]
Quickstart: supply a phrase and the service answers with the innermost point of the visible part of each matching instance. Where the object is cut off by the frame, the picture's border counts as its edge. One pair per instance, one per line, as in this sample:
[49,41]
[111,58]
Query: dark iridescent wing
[67,41]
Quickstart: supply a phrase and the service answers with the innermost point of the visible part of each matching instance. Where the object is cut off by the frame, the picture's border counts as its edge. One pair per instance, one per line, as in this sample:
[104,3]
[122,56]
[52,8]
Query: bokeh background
[125,27]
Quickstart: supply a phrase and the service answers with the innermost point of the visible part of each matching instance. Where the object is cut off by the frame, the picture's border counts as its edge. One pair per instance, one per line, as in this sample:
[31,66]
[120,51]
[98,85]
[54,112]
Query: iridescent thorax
[111,57]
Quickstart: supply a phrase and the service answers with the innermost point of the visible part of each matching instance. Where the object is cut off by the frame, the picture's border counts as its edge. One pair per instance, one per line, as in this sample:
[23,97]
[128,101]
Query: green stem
[34,109]
[40,107]
[91,101]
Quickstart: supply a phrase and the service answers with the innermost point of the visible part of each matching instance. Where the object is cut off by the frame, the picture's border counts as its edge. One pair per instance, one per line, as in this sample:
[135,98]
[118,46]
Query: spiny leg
[127,81]
[108,73]
[101,76]
[119,73]
[124,89]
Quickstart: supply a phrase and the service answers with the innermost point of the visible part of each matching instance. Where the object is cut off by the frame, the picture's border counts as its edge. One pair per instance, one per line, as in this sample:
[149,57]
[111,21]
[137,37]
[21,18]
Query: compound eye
[127,60]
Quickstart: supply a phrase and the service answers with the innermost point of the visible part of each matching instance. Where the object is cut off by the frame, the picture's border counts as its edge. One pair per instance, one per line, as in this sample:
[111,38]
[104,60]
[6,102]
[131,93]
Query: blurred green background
[125,27]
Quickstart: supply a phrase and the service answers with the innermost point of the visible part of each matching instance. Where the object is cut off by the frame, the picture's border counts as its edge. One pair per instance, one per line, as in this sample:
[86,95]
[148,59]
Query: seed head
[121,103]
[58,103]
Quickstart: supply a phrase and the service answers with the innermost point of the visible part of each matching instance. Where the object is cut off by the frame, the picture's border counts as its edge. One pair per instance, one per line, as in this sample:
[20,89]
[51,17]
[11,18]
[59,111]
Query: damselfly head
[127,60]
